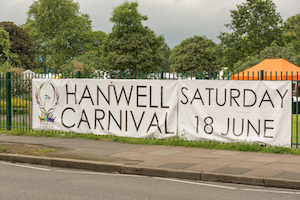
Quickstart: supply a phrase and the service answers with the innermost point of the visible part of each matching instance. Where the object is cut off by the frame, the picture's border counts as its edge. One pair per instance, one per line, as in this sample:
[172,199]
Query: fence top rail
[221,75]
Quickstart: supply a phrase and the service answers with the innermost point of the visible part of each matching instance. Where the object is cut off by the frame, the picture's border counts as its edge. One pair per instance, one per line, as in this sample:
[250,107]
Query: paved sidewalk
[276,170]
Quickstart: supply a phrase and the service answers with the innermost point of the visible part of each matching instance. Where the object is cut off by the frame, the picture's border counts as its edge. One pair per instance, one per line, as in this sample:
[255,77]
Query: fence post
[261,75]
[78,74]
[8,101]
[161,74]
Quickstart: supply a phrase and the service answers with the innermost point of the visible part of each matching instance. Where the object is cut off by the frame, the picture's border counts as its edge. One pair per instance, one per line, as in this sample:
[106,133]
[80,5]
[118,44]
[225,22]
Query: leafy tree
[5,53]
[92,60]
[54,25]
[76,65]
[21,44]
[89,41]
[166,52]
[90,49]
[8,66]
[4,44]
[254,25]
[270,52]
[194,54]
[292,31]
[131,46]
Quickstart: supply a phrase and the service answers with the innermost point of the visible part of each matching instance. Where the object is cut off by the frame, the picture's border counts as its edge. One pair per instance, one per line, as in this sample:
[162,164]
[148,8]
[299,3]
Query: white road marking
[26,166]
[197,183]
[166,179]
[272,191]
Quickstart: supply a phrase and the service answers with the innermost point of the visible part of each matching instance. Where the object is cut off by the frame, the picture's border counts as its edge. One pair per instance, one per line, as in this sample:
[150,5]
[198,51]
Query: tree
[89,41]
[166,52]
[255,25]
[4,44]
[270,52]
[131,46]
[292,31]
[194,54]
[54,25]
[73,67]
[5,53]
[21,44]
[89,44]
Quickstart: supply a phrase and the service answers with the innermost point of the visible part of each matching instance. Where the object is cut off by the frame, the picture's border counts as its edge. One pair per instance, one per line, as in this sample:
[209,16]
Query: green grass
[21,123]
[295,128]
[3,149]
[236,146]
[47,150]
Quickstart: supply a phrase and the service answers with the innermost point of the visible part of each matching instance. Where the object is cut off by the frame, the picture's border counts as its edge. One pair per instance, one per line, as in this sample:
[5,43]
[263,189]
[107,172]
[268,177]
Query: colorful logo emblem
[47,98]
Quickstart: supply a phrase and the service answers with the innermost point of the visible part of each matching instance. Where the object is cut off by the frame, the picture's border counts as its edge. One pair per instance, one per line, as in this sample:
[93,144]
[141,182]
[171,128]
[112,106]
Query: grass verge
[236,146]
[28,149]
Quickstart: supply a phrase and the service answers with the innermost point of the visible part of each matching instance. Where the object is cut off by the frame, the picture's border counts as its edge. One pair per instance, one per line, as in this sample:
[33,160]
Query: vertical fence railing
[8,101]
[16,92]
[295,125]
[3,105]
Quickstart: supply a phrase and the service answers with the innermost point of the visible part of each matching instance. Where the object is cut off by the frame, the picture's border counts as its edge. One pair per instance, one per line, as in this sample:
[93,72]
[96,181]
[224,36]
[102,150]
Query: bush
[19,106]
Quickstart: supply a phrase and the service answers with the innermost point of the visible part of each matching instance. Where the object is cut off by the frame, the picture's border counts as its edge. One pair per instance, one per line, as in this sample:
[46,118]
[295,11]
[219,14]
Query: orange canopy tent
[270,69]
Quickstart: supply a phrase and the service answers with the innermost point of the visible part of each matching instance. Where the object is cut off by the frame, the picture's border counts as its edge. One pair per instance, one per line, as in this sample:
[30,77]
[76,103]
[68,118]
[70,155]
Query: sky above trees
[175,19]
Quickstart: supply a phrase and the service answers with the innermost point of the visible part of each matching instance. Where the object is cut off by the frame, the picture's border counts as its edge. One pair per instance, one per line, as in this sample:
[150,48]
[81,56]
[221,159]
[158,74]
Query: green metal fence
[16,93]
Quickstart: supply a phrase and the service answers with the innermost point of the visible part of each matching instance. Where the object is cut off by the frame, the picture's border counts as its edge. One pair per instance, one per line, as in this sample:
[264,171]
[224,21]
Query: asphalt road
[23,181]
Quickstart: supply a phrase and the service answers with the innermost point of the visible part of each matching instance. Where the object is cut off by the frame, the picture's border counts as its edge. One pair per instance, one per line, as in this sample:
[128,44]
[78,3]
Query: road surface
[24,181]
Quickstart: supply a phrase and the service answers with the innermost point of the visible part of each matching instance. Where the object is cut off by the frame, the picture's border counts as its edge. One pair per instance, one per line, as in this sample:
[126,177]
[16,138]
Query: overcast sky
[175,19]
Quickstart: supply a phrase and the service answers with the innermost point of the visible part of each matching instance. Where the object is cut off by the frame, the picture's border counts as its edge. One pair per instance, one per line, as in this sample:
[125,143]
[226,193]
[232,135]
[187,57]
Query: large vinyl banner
[133,108]
[226,111]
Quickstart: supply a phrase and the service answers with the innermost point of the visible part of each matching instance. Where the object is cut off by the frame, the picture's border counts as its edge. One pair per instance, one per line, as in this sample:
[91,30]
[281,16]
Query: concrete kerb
[281,183]
[26,159]
[248,180]
[63,162]
[226,178]
[161,172]
[146,171]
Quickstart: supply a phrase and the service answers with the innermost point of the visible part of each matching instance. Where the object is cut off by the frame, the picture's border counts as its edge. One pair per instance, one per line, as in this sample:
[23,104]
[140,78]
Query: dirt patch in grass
[29,149]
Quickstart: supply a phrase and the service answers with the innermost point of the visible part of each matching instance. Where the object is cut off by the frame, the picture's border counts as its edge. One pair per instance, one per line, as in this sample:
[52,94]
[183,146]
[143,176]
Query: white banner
[227,111]
[133,108]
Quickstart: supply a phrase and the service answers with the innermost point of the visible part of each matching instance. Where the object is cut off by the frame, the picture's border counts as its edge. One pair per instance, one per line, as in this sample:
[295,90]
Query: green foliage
[5,52]
[19,106]
[166,52]
[194,54]
[131,46]
[55,26]
[20,87]
[93,59]
[89,41]
[127,19]
[21,44]
[270,52]
[292,31]
[90,54]
[76,65]
[254,25]
[4,44]
[7,66]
